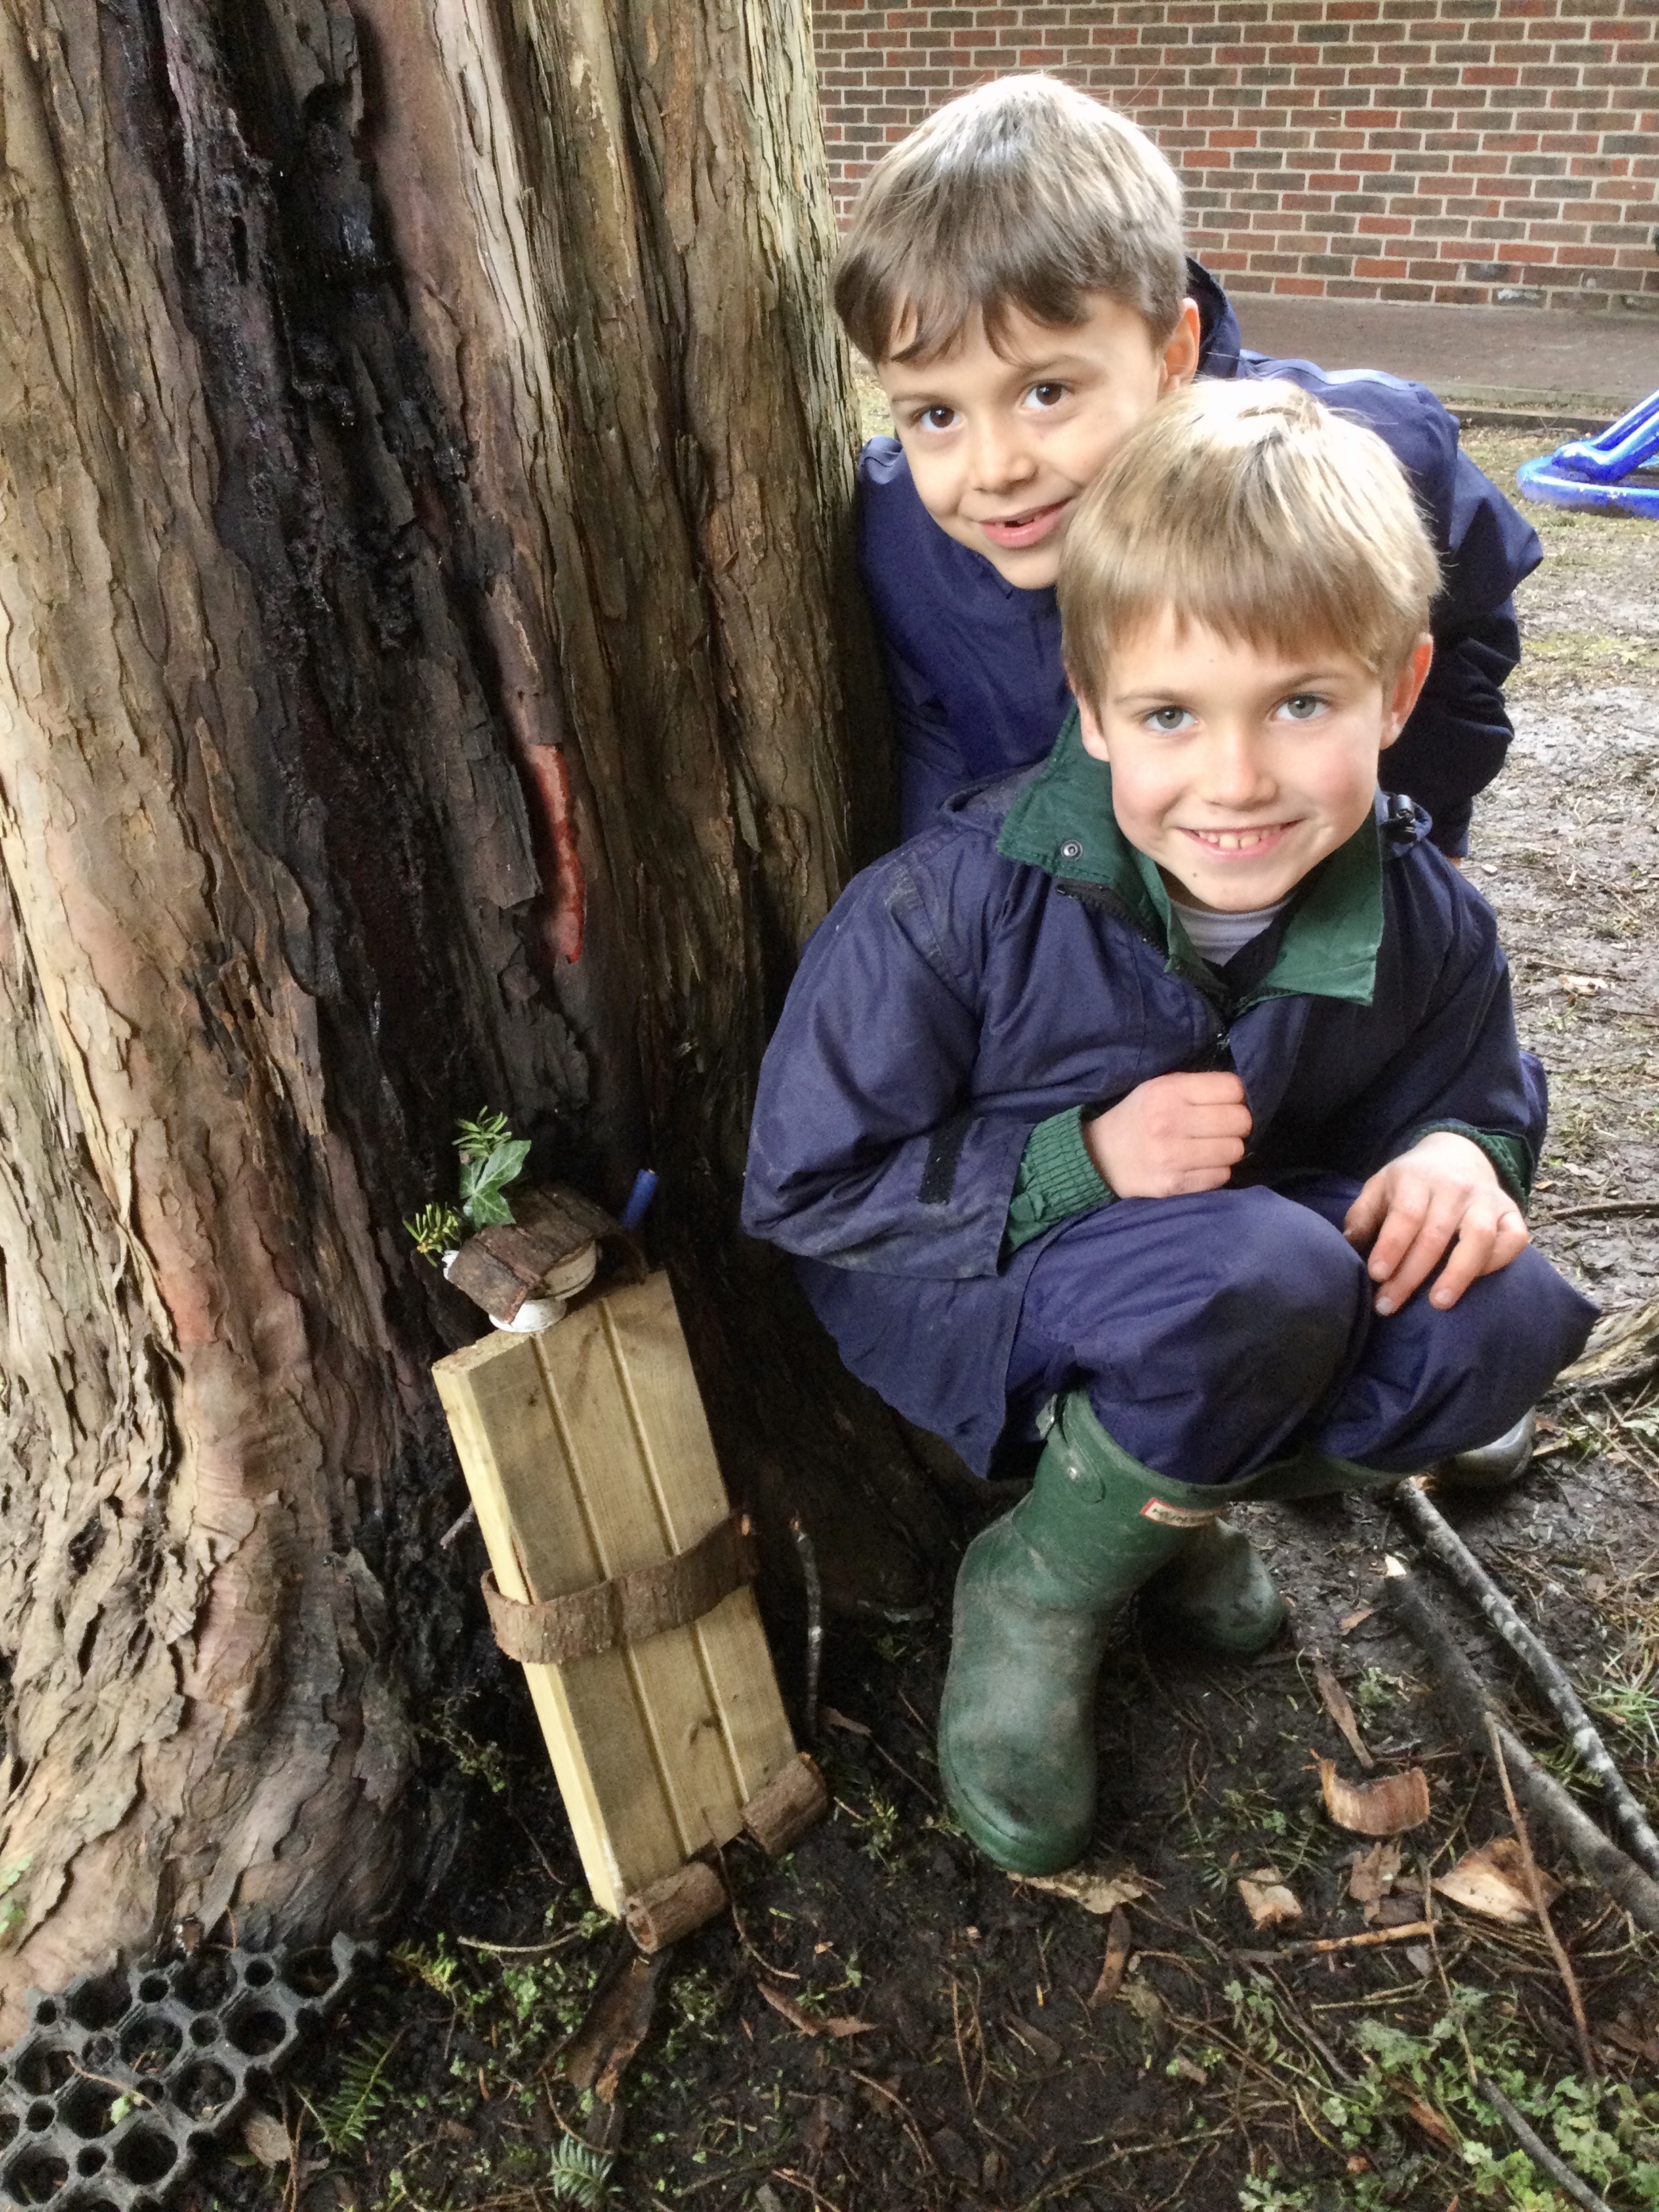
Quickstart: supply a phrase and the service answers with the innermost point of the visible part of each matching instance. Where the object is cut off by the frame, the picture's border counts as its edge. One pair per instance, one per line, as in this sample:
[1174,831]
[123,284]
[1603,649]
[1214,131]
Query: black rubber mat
[125,2077]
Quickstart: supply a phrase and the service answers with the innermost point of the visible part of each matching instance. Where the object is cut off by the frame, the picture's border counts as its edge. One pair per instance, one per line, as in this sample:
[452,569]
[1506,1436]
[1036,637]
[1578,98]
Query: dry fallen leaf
[1266,1899]
[845,1722]
[1189,2069]
[1433,2125]
[1143,2001]
[1117,1958]
[1372,1877]
[1350,1621]
[1383,1807]
[1039,2045]
[1584,985]
[1334,1699]
[839,2024]
[267,2138]
[1492,1881]
[1094,1890]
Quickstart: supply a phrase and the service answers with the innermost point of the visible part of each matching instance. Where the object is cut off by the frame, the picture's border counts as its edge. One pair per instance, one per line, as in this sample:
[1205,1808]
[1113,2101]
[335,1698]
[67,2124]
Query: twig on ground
[1467,1700]
[907,2117]
[1602,1209]
[1437,1536]
[1538,2151]
[520,1950]
[1540,1903]
[810,1576]
[461,1521]
[1307,1946]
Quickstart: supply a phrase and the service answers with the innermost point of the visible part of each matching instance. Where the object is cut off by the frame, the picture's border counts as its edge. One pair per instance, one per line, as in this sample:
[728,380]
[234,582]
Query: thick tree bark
[423,480]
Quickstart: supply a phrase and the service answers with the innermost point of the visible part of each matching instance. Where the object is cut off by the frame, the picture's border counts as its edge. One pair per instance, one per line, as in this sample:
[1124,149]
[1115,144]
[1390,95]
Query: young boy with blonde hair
[1015,272]
[1165,1100]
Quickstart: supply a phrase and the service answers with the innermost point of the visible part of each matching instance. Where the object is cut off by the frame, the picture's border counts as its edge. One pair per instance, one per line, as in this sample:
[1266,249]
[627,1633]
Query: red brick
[1443,125]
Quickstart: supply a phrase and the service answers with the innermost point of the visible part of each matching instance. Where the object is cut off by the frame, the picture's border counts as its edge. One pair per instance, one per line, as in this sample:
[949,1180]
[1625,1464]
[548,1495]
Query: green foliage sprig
[343,2118]
[578,2175]
[491,1159]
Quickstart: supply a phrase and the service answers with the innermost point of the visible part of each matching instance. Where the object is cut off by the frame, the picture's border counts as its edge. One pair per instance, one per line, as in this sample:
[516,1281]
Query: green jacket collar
[1063,823]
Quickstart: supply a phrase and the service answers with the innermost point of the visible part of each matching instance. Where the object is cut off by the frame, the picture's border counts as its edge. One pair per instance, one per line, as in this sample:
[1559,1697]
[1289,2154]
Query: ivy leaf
[487,1206]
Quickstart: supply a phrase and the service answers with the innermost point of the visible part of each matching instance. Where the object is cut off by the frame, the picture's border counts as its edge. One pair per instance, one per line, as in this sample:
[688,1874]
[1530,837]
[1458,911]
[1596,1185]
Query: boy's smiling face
[1002,444]
[1239,768]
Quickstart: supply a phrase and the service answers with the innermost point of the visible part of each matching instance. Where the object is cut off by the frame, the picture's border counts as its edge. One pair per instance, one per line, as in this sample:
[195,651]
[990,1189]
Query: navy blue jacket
[972,662]
[1020,959]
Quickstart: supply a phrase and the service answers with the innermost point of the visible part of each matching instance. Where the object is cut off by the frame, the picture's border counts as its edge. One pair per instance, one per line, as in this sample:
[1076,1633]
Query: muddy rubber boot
[1496,1466]
[1218,1590]
[1035,1596]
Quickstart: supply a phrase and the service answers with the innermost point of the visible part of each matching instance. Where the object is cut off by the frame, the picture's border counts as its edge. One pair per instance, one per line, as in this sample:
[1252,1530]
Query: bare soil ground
[890,2023]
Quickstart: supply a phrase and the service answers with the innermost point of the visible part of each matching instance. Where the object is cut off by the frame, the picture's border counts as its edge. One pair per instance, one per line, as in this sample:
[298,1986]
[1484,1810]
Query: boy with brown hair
[1165,1100]
[1015,272]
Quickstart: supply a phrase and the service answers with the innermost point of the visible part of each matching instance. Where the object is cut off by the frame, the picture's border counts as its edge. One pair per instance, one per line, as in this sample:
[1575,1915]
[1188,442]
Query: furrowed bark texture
[422,477]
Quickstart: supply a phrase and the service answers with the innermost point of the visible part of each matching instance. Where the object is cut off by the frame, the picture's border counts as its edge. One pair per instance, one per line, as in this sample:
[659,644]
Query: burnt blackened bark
[424,665]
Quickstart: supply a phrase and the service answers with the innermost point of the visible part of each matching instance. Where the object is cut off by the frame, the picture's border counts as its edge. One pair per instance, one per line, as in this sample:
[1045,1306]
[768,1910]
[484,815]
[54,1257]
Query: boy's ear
[1180,362]
[1094,738]
[1407,686]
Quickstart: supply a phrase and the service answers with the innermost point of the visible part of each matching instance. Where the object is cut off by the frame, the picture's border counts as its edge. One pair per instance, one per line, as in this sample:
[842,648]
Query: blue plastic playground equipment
[1598,471]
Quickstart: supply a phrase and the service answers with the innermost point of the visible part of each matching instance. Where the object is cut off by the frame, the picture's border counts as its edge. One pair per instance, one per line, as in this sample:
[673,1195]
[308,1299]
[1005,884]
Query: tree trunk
[425,681]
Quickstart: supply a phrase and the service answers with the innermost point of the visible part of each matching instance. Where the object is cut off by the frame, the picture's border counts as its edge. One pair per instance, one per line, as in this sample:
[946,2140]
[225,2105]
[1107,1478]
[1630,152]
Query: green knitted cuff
[1510,1156]
[1056,1179]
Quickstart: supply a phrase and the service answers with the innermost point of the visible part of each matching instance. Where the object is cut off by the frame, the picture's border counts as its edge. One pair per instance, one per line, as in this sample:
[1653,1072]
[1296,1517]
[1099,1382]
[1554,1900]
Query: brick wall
[1479,151]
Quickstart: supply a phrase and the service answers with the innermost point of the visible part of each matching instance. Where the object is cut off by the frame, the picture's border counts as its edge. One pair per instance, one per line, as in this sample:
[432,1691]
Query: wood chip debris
[1387,1806]
[1492,1881]
[1269,1902]
[1334,1699]
[1095,1889]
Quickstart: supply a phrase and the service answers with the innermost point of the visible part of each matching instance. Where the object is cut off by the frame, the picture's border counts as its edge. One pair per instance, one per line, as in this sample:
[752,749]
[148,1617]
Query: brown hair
[1025,194]
[1252,509]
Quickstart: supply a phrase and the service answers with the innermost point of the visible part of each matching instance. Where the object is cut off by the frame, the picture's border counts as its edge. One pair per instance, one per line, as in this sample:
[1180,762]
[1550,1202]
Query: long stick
[1466,1701]
[1538,2151]
[1437,1536]
[1540,1905]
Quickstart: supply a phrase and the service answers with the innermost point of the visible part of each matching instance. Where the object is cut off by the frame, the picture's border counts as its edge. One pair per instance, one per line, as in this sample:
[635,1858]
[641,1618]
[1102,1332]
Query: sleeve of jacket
[1459,732]
[1460,1066]
[866,1149]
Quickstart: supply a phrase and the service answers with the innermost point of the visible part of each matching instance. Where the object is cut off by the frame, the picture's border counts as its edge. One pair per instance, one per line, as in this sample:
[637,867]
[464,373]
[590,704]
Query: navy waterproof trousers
[1214,1332]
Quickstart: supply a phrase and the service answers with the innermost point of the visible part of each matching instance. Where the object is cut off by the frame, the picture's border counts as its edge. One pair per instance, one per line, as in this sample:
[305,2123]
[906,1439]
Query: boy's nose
[998,459]
[1236,774]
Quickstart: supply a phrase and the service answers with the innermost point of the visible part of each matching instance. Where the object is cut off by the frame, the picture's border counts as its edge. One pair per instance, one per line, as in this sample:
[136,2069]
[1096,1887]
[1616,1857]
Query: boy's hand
[1444,1192]
[1175,1134]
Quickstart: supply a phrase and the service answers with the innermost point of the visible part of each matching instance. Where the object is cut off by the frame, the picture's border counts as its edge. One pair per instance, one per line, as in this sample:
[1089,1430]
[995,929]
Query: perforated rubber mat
[123,2079]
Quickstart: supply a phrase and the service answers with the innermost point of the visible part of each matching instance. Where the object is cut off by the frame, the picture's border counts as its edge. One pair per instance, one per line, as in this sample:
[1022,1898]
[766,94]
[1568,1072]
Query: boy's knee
[1289,1291]
[1525,1323]
[1293,1268]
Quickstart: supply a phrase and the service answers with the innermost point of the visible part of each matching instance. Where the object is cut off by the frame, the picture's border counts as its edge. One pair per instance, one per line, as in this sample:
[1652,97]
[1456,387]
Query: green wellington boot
[1035,1596]
[1216,1588]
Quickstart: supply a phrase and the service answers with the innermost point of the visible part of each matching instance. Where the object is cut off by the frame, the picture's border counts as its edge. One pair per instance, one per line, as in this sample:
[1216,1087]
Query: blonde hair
[1254,510]
[1025,194]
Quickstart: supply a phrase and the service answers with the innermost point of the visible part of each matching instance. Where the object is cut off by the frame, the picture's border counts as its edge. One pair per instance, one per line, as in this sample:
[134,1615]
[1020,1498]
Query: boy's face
[1001,449]
[1238,768]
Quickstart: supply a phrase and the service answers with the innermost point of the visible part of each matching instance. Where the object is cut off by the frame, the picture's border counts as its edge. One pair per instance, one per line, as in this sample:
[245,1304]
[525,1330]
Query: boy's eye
[1302,706]
[1168,719]
[1047,395]
[937,418]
